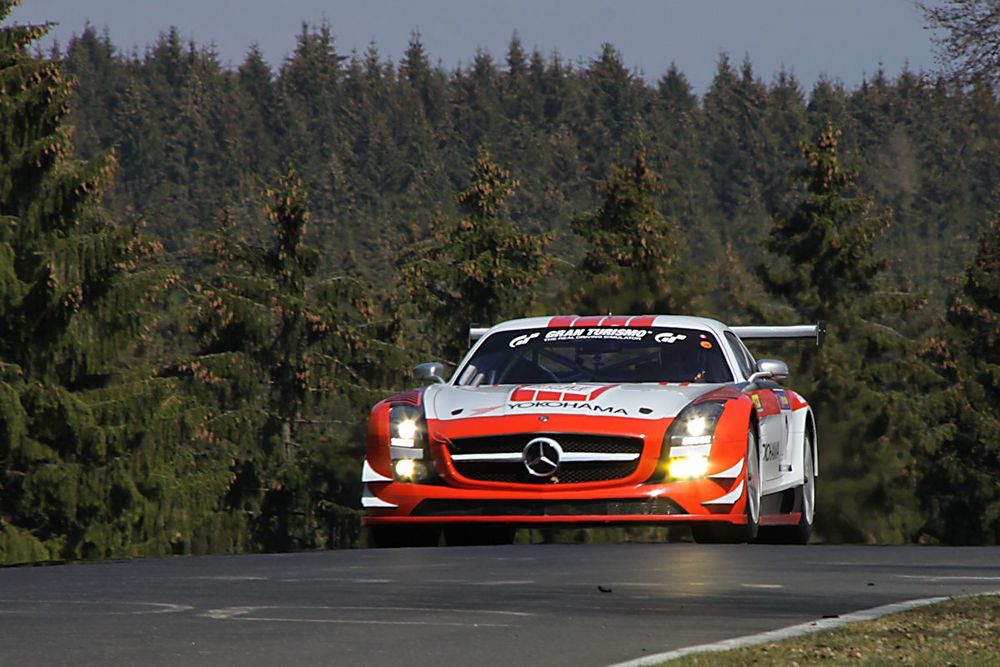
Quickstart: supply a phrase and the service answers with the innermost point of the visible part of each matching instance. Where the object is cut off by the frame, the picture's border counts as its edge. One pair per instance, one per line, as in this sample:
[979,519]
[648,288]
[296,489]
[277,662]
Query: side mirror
[432,371]
[770,369]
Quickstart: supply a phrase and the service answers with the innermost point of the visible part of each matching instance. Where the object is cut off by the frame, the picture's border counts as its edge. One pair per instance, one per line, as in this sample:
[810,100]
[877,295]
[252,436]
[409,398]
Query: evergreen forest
[209,273]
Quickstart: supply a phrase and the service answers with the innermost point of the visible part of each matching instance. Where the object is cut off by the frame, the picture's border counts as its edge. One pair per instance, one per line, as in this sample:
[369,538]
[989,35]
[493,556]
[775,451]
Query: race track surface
[519,605]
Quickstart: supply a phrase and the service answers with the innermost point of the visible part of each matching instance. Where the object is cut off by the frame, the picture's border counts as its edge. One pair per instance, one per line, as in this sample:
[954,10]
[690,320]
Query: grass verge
[961,631]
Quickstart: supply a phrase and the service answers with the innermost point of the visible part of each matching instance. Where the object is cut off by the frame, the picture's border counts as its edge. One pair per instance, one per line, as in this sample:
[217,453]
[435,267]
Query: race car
[602,420]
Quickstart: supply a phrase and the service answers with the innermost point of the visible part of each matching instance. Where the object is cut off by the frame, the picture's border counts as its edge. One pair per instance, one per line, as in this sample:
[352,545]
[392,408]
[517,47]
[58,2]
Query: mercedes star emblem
[541,457]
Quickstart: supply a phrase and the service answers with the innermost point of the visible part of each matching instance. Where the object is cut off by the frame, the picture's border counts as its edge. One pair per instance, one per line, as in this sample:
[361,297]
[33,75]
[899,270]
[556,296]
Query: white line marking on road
[165,608]
[227,613]
[243,614]
[347,621]
[229,578]
[761,586]
[435,610]
[158,607]
[346,580]
[928,577]
[469,582]
[791,631]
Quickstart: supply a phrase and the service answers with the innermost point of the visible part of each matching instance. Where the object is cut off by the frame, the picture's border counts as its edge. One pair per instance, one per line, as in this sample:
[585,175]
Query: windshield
[597,354]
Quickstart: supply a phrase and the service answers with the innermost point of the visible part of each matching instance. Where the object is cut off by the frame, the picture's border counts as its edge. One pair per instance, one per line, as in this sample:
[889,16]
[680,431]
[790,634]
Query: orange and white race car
[648,419]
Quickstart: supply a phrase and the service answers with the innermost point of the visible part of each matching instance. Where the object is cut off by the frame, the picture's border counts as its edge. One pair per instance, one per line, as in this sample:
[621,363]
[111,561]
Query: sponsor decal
[771,451]
[568,405]
[595,334]
[783,401]
[558,392]
[518,341]
[756,402]
[668,337]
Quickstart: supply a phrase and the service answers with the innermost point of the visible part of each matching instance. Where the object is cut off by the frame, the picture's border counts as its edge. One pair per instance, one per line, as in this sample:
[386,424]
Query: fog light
[405,468]
[688,467]
[410,470]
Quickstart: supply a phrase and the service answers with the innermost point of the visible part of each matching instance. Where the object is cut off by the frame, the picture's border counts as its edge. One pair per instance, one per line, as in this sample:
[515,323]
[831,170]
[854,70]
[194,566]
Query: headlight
[408,443]
[695,425]
[688,441]
[405,433]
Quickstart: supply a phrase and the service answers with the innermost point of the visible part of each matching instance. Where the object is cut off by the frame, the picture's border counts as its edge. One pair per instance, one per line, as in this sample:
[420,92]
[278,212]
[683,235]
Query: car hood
[640,401]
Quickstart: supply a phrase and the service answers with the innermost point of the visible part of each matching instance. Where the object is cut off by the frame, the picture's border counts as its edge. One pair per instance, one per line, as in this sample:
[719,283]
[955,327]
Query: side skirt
[781,504]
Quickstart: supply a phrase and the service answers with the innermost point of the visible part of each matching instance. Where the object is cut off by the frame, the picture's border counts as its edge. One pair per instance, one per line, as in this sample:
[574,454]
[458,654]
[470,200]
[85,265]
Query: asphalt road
[516,605]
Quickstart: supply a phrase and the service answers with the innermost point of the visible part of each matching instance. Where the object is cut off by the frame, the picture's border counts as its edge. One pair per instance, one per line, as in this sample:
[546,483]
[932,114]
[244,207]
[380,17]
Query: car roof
[571,321]
[579,321]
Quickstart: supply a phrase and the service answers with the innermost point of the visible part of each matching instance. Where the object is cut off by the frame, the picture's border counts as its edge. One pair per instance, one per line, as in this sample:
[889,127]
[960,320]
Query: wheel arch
[811,429]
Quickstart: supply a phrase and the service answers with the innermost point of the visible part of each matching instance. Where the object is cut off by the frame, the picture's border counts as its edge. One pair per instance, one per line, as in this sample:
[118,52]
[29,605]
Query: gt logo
[668,337]
[518,341]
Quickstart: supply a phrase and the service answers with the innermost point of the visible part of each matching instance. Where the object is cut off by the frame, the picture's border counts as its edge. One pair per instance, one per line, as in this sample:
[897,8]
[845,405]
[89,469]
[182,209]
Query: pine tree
[960,475]
[288,362]
[479,269]
[733,135]
[633,260]
[825,268]
[93,458]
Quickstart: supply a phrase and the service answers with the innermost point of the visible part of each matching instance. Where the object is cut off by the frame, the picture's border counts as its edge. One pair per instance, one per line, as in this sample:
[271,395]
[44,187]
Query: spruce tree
[478,269]
[960,474]
[824,267]
[287,361]
[633,260]
[94,453]
[732,132]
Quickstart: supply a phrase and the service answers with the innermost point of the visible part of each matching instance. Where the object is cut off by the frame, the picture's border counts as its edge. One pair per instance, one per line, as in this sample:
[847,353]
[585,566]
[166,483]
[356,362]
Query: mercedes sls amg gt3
[624,420]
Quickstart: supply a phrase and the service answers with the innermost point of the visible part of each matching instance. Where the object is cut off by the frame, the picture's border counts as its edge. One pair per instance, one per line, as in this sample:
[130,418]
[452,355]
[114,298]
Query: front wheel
[746,532]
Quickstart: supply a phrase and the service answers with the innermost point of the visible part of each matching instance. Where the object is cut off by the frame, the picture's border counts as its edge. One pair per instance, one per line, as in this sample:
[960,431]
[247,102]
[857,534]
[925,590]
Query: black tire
[391,537]
[470,535]
[724,533]
[805,502]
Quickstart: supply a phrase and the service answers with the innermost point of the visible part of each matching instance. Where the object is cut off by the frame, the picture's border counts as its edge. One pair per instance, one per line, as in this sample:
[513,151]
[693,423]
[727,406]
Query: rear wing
[815,331]
[476,332]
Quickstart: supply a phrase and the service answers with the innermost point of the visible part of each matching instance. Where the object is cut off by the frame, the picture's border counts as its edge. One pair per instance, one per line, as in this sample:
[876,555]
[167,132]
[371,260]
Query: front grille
[613,507]
[570,472]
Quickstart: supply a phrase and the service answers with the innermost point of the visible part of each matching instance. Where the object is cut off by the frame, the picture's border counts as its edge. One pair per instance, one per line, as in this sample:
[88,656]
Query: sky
[845,40]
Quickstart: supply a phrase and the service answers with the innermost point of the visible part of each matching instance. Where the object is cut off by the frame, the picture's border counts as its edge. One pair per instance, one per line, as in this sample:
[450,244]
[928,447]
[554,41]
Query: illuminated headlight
[404,468]
[688,441]
[410,470]
[695,425]
[408,443]
[406,431]
[687,467]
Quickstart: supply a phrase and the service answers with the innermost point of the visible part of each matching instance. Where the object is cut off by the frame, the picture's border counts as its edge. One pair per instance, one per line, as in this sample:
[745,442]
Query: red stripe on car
[591,321]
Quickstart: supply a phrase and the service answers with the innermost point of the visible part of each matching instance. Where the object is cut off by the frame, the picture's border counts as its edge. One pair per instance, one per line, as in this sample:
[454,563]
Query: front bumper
[684,502]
